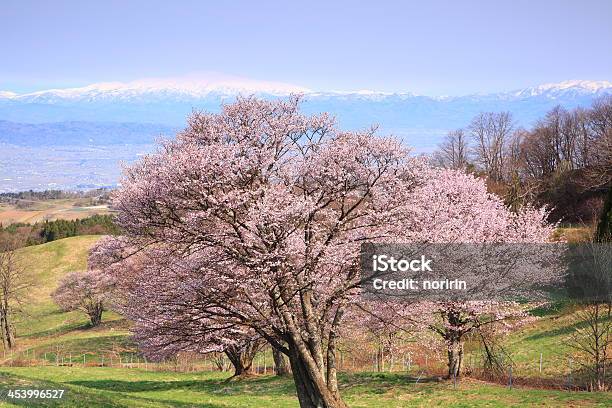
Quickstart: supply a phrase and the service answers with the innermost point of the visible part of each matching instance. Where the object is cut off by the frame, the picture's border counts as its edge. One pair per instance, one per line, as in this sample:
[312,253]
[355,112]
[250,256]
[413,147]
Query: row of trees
[101,195]
[40,232]
[564,161]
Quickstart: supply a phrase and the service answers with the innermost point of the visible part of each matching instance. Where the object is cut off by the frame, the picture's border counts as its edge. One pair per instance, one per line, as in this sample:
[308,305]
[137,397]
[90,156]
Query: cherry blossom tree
[88,291]
[252,220]
[169,309]
[265,209]
[454,207]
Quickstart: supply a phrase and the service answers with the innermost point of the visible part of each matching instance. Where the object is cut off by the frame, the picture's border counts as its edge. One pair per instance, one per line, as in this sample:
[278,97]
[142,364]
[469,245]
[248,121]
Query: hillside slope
[44,331]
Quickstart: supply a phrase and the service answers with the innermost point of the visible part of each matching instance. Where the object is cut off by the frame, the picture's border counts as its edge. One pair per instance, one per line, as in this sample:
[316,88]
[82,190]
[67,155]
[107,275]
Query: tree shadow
[381,383]
[264,385]
[74,397]
[56,331]
[559,331]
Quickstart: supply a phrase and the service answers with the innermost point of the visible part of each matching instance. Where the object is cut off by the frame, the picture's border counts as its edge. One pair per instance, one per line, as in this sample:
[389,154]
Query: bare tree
[490,132]
[594,342]
[13,288]
[453,151]
[600,122]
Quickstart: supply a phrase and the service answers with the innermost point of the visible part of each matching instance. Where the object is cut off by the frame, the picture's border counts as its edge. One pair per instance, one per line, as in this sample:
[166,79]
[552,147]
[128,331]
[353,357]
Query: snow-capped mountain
[152,90]
[167,102]
[565,88]
[193,90]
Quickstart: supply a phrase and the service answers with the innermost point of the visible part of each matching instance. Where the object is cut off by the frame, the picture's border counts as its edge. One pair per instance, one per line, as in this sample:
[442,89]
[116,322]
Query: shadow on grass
[380,383]
[559,331]
[377,383]
[115,324]
[268,385]
[74,397]
[57,331]
[553,309]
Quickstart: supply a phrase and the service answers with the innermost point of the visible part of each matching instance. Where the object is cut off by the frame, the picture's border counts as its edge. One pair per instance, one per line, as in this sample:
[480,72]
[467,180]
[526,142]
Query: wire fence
[419,367]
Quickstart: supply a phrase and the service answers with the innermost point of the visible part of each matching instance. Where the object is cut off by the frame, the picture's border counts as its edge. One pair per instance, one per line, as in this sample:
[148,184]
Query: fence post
[540,362]
[510,377]
[570,378]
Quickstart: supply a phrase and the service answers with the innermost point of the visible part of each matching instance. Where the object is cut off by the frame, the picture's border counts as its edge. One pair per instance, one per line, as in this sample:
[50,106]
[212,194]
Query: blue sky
[428,47]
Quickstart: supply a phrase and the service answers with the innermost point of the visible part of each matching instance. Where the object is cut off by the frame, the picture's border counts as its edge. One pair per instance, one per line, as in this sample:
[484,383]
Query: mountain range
[164,105]
[103,115]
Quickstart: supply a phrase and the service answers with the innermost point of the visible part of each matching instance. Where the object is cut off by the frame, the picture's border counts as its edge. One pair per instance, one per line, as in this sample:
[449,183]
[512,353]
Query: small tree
[86,291]
[593,342]
[454,207]
[14,283]
[453,152]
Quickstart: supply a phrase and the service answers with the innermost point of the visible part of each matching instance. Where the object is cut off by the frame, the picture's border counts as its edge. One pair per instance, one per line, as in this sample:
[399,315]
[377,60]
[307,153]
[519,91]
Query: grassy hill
[61,338]
[44,328]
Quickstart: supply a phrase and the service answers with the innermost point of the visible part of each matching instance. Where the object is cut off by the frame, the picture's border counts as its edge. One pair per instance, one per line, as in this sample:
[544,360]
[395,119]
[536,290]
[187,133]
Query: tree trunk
[241,357]
[455,357]
[280,363]
[95,318]
[94,311]
[8,335]
[310,383]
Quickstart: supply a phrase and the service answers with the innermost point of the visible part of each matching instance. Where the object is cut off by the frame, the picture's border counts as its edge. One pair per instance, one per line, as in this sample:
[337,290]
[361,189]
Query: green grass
[549,336]
[46,331]
[44,328]
[113,387]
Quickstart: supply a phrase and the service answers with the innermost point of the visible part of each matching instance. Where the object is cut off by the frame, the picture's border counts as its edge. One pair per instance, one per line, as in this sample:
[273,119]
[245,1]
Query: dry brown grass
[65,209]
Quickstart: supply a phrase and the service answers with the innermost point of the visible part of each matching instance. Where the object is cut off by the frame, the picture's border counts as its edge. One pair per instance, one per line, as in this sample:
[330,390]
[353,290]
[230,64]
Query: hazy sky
[428,47]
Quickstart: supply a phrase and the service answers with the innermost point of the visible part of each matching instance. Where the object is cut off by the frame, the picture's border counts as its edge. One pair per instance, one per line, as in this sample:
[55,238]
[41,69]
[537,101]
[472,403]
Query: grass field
[110,387]
[46,331]
[36,211]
